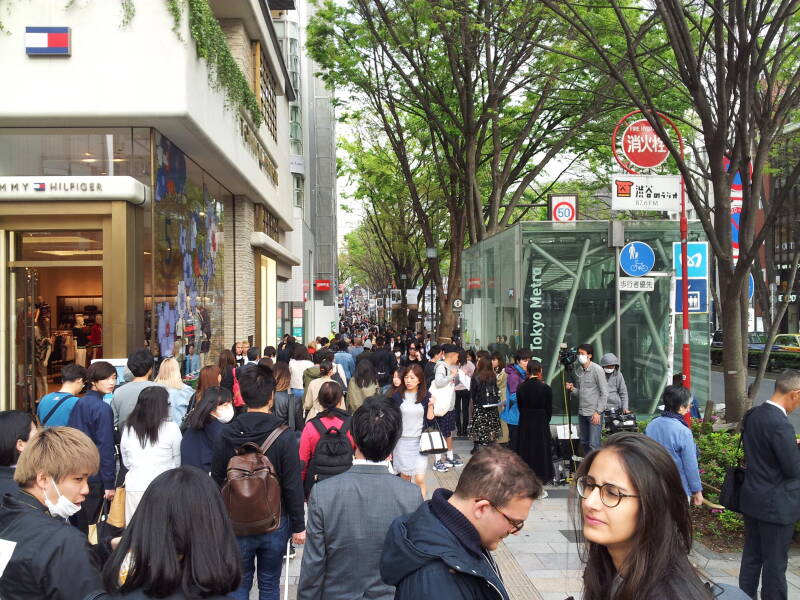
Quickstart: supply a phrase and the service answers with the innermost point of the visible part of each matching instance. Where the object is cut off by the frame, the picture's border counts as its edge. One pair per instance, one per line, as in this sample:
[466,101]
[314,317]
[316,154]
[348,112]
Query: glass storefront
[541,284]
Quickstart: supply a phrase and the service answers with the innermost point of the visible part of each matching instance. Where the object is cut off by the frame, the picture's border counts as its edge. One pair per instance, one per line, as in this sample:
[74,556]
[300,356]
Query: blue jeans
[298,393]
[589,434]
[266,551]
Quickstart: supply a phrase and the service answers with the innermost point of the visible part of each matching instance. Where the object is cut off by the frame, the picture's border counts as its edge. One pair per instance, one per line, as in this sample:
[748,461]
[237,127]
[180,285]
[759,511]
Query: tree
[463,87]
[736,63]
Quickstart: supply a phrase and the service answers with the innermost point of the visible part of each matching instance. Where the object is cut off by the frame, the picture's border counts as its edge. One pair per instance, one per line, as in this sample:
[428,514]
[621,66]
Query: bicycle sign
[637,259]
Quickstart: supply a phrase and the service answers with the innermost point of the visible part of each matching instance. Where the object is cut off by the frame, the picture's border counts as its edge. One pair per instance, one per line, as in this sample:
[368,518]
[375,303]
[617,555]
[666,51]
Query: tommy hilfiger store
[109,240]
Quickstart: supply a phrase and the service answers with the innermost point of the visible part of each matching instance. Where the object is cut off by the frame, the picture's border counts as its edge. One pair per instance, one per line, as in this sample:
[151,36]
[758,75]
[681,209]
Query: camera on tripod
[567,356]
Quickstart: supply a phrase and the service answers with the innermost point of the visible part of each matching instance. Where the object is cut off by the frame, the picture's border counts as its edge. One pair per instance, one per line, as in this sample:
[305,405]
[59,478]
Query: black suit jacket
[771,489]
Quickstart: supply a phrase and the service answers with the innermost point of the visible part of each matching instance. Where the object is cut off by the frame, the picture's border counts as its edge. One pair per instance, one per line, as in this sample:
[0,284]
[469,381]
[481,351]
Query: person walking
[446,374]
[671,431]
[466,367]
[443,549]
[515,374]
[416,409]
[362,385]
[499,367]
[485,397]
[300,361]
[535,401]
[288,407]
[590,390]
[349,515]
[384,362]
[54,408]
[180,394]
[345,360]
[17,429]
[140,364]
[617,390]
[204,427]
[770,496]
[150,445]
[311,403]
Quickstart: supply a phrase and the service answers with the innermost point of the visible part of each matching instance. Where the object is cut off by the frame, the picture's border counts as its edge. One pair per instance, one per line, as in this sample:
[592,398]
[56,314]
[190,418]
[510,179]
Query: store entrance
[57,319]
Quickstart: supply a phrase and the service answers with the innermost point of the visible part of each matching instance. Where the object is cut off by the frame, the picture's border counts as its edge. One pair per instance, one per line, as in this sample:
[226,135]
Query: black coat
[52,559]
[197,445]
[7,483]
[283,454]
[385,364]
[771,489]
[140,595]
[535,402]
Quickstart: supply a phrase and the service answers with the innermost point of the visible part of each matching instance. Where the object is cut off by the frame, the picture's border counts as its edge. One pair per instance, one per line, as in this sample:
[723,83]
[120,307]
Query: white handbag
[443,398]
[432,442]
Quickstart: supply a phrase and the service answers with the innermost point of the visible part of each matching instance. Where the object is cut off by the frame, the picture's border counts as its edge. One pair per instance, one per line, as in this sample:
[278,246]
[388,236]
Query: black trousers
[513,437]
[462,412]
[90,507]
[765,556]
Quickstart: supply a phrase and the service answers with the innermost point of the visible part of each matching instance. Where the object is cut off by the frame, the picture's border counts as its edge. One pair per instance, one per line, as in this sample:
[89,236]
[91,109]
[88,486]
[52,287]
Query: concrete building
[308,301]
[145,192]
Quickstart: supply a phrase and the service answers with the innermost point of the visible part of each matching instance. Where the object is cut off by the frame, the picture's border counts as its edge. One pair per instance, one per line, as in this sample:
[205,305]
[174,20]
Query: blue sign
[297,332]
[697,263]
[698,296]
[751,286]
[637,259]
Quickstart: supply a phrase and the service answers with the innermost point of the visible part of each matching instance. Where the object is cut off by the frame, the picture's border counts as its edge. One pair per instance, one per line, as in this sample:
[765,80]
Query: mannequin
[96,337]
[80,339]
[43,350]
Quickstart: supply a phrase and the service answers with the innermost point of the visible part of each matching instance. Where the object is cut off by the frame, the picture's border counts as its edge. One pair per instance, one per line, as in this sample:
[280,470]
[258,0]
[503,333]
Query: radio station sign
[646,192]
[73,188]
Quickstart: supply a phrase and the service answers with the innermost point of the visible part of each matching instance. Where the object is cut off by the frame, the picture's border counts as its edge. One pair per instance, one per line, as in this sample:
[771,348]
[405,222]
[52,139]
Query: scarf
[674,415]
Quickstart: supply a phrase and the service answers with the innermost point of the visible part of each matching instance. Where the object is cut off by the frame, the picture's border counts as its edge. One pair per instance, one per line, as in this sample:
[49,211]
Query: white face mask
[63,507]
[397,354]
[608,370]
[224,413]
[583,359]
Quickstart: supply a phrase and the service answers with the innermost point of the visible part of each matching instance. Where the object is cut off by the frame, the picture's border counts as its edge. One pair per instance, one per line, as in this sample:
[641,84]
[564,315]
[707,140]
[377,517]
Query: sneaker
[456,462]
[544,495]
[440,466]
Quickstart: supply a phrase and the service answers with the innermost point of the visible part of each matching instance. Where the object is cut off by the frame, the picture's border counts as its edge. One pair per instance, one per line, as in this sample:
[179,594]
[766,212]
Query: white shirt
[297,368]
[380,463]
[783,410]
[145,463]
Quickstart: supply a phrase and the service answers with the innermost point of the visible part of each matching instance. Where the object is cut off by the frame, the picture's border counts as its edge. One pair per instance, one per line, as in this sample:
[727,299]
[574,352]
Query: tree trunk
[448,320]
[734,364]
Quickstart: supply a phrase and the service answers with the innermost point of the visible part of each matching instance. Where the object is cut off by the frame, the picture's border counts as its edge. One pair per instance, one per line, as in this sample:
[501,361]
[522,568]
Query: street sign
[698,295]
[637,259]
[637,284]
[697,259]
[563,207]
[646,192]
[736,215]
[458,304]
[751,287]
[643,146]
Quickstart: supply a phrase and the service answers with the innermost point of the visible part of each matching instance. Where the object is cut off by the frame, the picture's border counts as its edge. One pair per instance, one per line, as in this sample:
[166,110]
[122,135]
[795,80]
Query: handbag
[432,441]
[730,494]
[116,512]
[102,517]
[443,398]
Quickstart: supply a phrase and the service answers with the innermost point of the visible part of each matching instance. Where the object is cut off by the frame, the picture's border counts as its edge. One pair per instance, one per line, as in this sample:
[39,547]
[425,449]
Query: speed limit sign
[563,207]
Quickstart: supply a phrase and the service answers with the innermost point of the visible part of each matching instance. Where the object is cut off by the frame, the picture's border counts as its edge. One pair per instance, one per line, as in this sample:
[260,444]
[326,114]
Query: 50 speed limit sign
[563,207]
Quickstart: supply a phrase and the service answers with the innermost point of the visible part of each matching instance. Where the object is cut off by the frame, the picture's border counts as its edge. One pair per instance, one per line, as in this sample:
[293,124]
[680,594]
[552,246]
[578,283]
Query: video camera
[567,356]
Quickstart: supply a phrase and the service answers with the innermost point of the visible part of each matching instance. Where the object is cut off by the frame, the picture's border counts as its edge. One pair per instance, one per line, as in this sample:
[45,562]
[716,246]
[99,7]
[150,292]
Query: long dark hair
[226,362]
[150,411]
[211,399]
[365,374]
[484,371]
[658,565]
[180,540]
[329,396]
[15,425]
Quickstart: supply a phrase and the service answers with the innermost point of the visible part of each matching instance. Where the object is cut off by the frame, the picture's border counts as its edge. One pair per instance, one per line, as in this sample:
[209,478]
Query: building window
[295,129]
[294,64]
[265,89]
[266,222]
[299,190]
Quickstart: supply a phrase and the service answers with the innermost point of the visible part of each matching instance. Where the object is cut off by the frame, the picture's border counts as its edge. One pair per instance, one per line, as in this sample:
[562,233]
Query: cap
[448,348]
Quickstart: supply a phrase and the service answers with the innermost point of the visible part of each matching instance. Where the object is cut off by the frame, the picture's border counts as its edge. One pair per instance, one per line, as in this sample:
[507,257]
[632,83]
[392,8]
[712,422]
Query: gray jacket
[591,390]
[617,391]
[348,517]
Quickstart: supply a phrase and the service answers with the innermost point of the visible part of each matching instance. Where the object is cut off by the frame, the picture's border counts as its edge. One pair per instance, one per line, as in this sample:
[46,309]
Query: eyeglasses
[610,495]
[516,524]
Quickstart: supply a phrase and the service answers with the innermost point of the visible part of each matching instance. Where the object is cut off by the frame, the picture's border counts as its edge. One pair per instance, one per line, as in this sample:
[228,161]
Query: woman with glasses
[636,527]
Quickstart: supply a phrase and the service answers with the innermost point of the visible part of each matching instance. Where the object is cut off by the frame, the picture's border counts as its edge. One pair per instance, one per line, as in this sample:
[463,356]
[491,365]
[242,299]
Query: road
[764,393]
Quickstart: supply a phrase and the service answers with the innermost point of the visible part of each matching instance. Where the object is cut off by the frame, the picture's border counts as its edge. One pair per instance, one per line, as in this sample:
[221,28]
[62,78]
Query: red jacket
[310,437]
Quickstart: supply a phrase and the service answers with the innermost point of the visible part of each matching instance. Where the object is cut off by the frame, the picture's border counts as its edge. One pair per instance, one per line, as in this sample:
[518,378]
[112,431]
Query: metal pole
[618,319]
[687,353]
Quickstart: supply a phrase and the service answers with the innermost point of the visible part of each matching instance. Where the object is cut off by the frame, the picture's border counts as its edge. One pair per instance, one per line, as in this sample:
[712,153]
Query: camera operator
[591,391]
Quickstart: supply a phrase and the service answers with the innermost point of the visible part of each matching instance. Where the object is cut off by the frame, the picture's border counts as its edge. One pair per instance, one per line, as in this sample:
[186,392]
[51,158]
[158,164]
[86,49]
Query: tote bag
[432,441]
[442,398]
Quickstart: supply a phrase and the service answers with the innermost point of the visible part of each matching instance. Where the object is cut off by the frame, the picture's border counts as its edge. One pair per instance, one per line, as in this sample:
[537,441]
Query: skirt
[485,425]
[406,457]
[447,423]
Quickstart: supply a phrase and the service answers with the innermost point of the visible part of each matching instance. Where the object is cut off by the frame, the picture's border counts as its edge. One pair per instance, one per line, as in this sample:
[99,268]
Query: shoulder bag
[442,398]
[730,494]
[432,441]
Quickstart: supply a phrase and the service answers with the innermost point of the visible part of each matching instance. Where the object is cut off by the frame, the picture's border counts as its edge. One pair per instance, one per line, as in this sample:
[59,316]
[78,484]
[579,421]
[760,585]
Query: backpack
[252,491]
[333,453]
[491,394]
[383,367]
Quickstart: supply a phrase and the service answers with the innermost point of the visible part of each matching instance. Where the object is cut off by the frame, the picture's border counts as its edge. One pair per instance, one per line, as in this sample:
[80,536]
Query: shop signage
[637,284]
[646,192]
[48,41]
[322,285]
[73,188]
[637,259]
[474,283]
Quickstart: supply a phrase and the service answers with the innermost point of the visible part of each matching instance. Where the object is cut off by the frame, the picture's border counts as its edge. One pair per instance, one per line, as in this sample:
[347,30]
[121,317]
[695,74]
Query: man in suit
[349,515]
[770,496]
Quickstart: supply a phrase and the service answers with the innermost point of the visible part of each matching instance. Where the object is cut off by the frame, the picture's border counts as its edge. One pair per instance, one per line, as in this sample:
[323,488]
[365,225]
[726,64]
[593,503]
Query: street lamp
[431,254]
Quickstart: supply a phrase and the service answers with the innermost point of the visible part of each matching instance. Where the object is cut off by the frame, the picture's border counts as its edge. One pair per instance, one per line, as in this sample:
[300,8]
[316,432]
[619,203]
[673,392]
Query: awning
[263,241]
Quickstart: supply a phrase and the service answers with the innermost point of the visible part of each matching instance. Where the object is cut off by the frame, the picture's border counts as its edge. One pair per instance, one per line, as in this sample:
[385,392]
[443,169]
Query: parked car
[788,342]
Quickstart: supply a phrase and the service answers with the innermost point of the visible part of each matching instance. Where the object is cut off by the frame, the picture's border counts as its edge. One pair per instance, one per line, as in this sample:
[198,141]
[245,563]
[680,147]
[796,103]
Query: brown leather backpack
[252,491]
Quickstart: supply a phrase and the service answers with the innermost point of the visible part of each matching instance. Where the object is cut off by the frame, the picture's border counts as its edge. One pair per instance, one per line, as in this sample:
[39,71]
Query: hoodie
[617,390]
[283,454]
[422,557]
[516,375]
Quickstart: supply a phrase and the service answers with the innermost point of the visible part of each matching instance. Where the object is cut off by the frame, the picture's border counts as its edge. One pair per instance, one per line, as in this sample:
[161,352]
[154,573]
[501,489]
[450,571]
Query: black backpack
[383,367]
[492,394]
[333,454]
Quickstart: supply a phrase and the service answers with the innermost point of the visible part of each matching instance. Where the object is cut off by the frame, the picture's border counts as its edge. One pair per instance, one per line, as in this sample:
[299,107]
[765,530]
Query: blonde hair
[58,452]
[169,374]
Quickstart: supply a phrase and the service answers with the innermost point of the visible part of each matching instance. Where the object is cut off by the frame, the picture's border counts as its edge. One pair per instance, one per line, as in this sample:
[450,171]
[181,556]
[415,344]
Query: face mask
[583,359]
[224,413]
[608,370]
[63,507]
[397,354]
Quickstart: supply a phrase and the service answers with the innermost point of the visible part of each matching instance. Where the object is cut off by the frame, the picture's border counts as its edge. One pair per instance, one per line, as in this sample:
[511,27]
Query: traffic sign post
[562,208]
[637,259]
